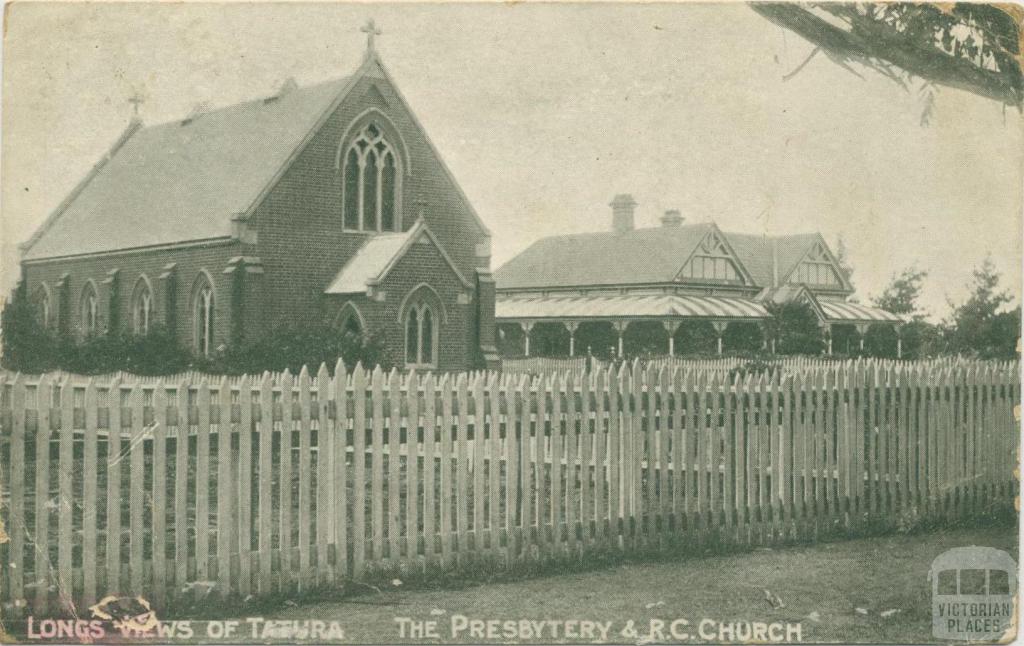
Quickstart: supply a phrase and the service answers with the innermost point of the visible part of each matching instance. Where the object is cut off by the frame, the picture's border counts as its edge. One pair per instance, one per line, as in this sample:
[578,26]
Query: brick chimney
[623,206]
[672,218]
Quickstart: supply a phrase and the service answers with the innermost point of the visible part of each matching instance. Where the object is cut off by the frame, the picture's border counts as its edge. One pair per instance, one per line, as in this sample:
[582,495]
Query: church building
[672,288]
[325,203]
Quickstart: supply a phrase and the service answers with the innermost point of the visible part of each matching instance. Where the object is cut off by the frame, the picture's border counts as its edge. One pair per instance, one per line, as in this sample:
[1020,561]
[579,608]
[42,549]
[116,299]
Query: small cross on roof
[371,30]
[136,100]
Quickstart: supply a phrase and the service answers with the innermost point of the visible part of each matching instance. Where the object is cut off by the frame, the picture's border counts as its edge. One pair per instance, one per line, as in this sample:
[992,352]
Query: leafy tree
[981,326]
[843,257]
[795,327]
[970,46]
[900,296]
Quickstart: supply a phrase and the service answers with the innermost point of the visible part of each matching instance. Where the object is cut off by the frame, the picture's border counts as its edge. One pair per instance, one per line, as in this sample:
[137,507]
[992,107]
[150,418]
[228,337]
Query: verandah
[391,470]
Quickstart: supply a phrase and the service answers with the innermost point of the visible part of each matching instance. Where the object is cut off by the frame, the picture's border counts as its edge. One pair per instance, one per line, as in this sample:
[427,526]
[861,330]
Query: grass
[821,585]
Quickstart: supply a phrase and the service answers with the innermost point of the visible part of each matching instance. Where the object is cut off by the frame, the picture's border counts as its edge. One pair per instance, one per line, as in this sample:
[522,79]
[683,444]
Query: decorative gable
[713,261]
[818,268]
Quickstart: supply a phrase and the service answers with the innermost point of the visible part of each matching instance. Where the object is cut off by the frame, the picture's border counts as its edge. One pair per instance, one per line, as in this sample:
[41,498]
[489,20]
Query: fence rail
[178,490]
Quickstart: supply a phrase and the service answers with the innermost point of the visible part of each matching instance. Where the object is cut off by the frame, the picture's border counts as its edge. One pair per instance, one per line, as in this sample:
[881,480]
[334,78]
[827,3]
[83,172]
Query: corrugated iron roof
[629,306]
[856,313]
[176,181]
[641,256]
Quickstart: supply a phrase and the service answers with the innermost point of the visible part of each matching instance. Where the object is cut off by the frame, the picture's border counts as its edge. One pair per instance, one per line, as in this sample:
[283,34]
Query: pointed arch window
[370,181]
[420,336]
[203,316]
[142,307]
[89,310]
[43,307]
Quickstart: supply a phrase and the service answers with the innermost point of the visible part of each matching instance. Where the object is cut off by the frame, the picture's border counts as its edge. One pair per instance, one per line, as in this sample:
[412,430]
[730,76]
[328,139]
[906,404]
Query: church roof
[641,256]
[375,258]
[184,180]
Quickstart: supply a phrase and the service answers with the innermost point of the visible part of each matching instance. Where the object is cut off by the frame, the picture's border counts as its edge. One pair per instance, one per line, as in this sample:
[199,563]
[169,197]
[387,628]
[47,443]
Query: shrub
[27,345]
[291,347]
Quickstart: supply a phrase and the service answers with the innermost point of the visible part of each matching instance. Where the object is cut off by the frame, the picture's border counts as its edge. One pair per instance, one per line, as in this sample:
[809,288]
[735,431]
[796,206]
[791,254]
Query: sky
[545,111]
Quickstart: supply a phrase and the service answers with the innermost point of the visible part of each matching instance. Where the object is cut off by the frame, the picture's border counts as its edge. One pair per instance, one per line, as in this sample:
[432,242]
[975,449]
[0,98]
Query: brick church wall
[299,223]
[189,262]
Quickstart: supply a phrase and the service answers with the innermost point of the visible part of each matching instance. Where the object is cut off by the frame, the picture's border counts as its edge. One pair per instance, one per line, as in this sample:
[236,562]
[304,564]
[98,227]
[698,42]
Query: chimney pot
[672,218]
[623,206]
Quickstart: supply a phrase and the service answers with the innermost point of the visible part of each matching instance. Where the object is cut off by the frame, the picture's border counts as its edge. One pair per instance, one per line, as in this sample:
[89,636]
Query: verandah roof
[669,306]
[836,312]
[629,306]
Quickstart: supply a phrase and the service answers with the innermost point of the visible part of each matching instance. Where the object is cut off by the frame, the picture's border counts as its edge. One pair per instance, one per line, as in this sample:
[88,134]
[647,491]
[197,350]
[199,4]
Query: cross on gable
[371,30]
[136,100]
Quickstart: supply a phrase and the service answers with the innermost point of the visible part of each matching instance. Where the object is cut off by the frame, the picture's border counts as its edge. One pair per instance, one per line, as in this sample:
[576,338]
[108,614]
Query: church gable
[818,268]
[714,261]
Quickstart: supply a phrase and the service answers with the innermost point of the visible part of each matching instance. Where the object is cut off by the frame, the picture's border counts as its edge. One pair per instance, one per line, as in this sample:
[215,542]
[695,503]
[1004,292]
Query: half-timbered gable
[671,277]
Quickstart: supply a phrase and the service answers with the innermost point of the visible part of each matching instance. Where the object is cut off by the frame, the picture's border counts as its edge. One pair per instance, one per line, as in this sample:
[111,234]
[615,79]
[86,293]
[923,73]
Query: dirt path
[822,587]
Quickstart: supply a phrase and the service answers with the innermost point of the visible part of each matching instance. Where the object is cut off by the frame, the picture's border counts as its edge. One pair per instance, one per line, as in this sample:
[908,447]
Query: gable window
[203,314]
[142,307]
[816,269]
[89,310]
[711,262]
[370,182]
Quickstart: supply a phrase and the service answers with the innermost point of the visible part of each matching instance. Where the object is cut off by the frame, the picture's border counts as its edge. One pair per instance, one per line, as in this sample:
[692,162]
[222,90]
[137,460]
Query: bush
[27,345]
[30,348]
[292,347]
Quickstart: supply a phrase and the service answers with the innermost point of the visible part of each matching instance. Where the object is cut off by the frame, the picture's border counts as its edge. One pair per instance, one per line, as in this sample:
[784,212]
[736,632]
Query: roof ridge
[245,102]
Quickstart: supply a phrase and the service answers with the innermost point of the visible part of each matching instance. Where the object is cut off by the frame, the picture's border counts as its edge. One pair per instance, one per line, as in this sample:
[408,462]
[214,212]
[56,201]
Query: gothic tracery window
[142,308]
[204,310]
[370,178]
[89,310]
[42,304]
[420,336]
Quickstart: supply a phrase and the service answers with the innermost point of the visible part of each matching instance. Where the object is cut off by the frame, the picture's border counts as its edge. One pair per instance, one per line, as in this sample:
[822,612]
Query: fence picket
[285,511]
[323,571]
[412,459]
[430,433]
[627,458]
[16,555]
[65,499]
[136,475]
[394,455]
[244,483]
[266,502]
[158,550]
[462,457]
[446,446]
[225,493]
[526,464]
[41,559]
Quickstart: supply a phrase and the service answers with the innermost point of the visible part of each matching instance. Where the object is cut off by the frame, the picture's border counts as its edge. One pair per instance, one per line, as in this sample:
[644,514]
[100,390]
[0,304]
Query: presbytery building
[669,288]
